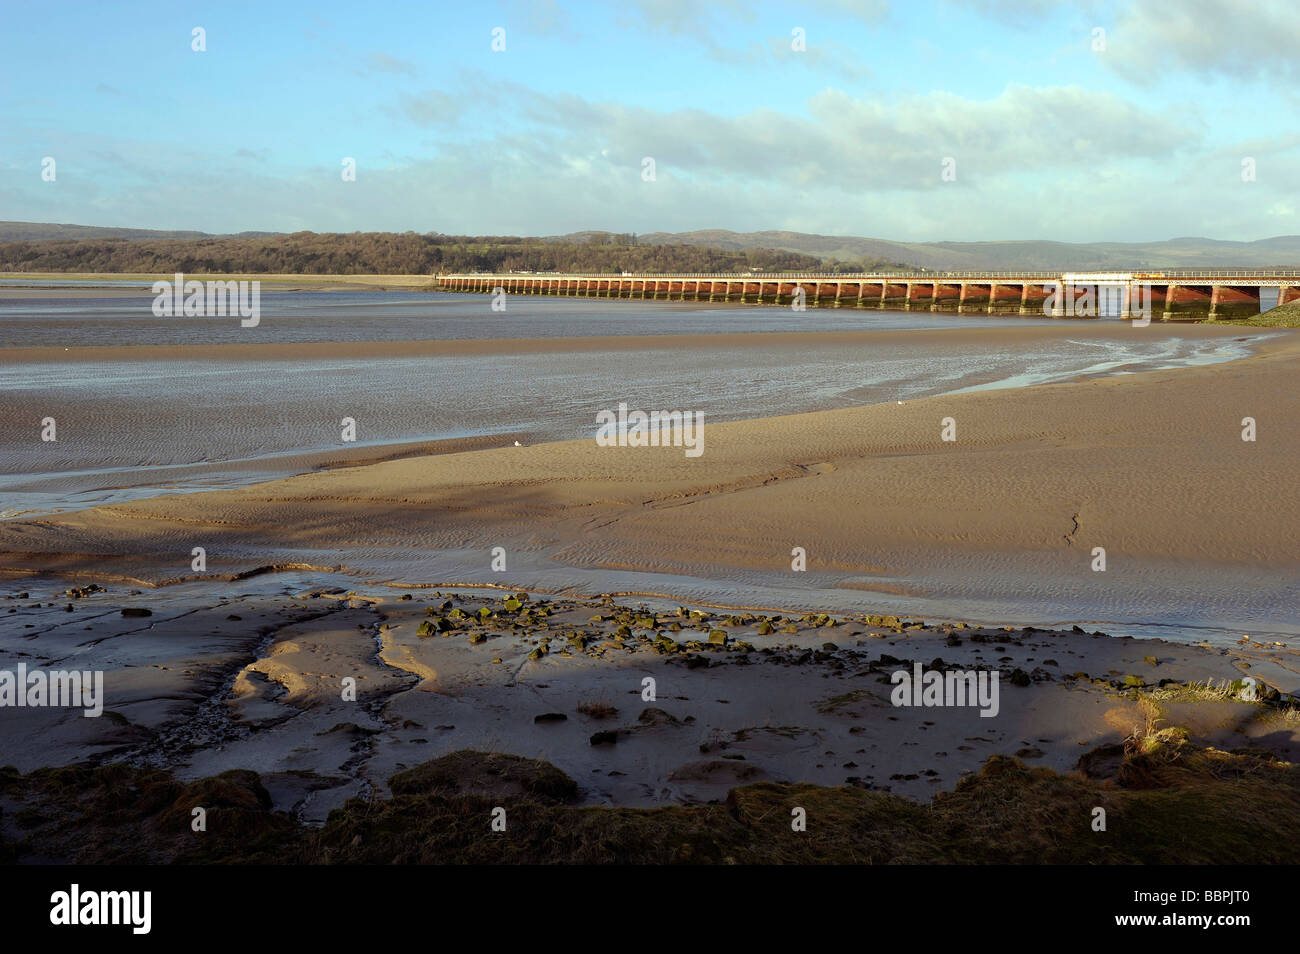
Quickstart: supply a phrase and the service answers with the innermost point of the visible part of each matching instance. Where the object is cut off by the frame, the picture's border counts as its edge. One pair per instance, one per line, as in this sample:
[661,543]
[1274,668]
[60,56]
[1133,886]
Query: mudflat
[1150,466]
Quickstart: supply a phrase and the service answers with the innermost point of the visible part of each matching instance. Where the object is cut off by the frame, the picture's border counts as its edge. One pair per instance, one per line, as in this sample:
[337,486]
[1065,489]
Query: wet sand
[1019,336]
[1149,466]
[250,675]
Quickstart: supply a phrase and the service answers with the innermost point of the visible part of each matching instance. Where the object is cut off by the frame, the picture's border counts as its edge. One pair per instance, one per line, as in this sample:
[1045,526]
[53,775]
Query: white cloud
[1153,40]
[1055,162]
[383,63]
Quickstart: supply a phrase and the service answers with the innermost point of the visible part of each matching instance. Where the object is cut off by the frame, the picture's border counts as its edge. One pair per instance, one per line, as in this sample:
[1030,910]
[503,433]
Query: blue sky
[1057,131]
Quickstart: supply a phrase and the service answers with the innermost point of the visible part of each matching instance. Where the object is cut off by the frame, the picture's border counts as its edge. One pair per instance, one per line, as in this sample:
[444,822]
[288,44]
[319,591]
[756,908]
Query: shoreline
[947,611]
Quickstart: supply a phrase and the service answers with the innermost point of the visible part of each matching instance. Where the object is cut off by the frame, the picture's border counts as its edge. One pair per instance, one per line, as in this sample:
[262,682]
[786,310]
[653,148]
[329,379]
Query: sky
[912,120]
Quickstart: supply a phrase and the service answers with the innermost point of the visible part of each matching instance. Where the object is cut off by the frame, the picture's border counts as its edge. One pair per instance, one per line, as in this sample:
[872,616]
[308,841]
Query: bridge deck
[1174,293]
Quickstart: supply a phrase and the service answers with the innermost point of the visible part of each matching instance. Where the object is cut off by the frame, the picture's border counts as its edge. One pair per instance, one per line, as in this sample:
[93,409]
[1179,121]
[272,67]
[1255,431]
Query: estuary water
[175,423]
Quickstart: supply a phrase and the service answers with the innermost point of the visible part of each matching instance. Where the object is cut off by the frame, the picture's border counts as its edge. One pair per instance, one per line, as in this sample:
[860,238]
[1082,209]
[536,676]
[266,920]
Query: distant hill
[49,231]
[1173,253]
[706,250]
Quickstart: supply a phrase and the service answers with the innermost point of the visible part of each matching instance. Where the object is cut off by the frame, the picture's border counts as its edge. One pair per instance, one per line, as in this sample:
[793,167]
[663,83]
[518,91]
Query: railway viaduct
[1183,294]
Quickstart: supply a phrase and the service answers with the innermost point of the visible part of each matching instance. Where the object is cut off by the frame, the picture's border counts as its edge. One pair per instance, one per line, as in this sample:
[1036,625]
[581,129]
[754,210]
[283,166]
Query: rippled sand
[137,420]
[1200,528]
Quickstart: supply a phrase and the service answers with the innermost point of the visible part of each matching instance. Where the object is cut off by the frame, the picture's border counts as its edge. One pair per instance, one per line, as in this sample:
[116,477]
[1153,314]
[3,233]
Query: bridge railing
[915,276]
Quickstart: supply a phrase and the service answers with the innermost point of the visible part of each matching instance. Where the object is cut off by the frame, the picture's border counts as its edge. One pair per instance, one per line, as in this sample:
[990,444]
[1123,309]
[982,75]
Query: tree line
[389,253]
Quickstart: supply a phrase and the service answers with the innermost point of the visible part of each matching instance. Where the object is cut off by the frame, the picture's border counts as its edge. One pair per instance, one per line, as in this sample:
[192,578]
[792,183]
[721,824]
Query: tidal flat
[351,676]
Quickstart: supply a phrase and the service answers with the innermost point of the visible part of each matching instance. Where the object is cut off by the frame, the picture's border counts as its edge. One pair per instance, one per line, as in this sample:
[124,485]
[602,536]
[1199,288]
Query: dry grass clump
[1167,800]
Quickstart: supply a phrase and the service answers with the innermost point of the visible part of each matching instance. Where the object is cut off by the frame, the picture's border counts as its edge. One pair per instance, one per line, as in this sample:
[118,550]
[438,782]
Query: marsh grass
[1283,316]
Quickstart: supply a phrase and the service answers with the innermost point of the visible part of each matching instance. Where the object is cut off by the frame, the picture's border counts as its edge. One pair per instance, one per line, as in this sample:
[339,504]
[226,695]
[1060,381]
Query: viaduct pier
[1171,295]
